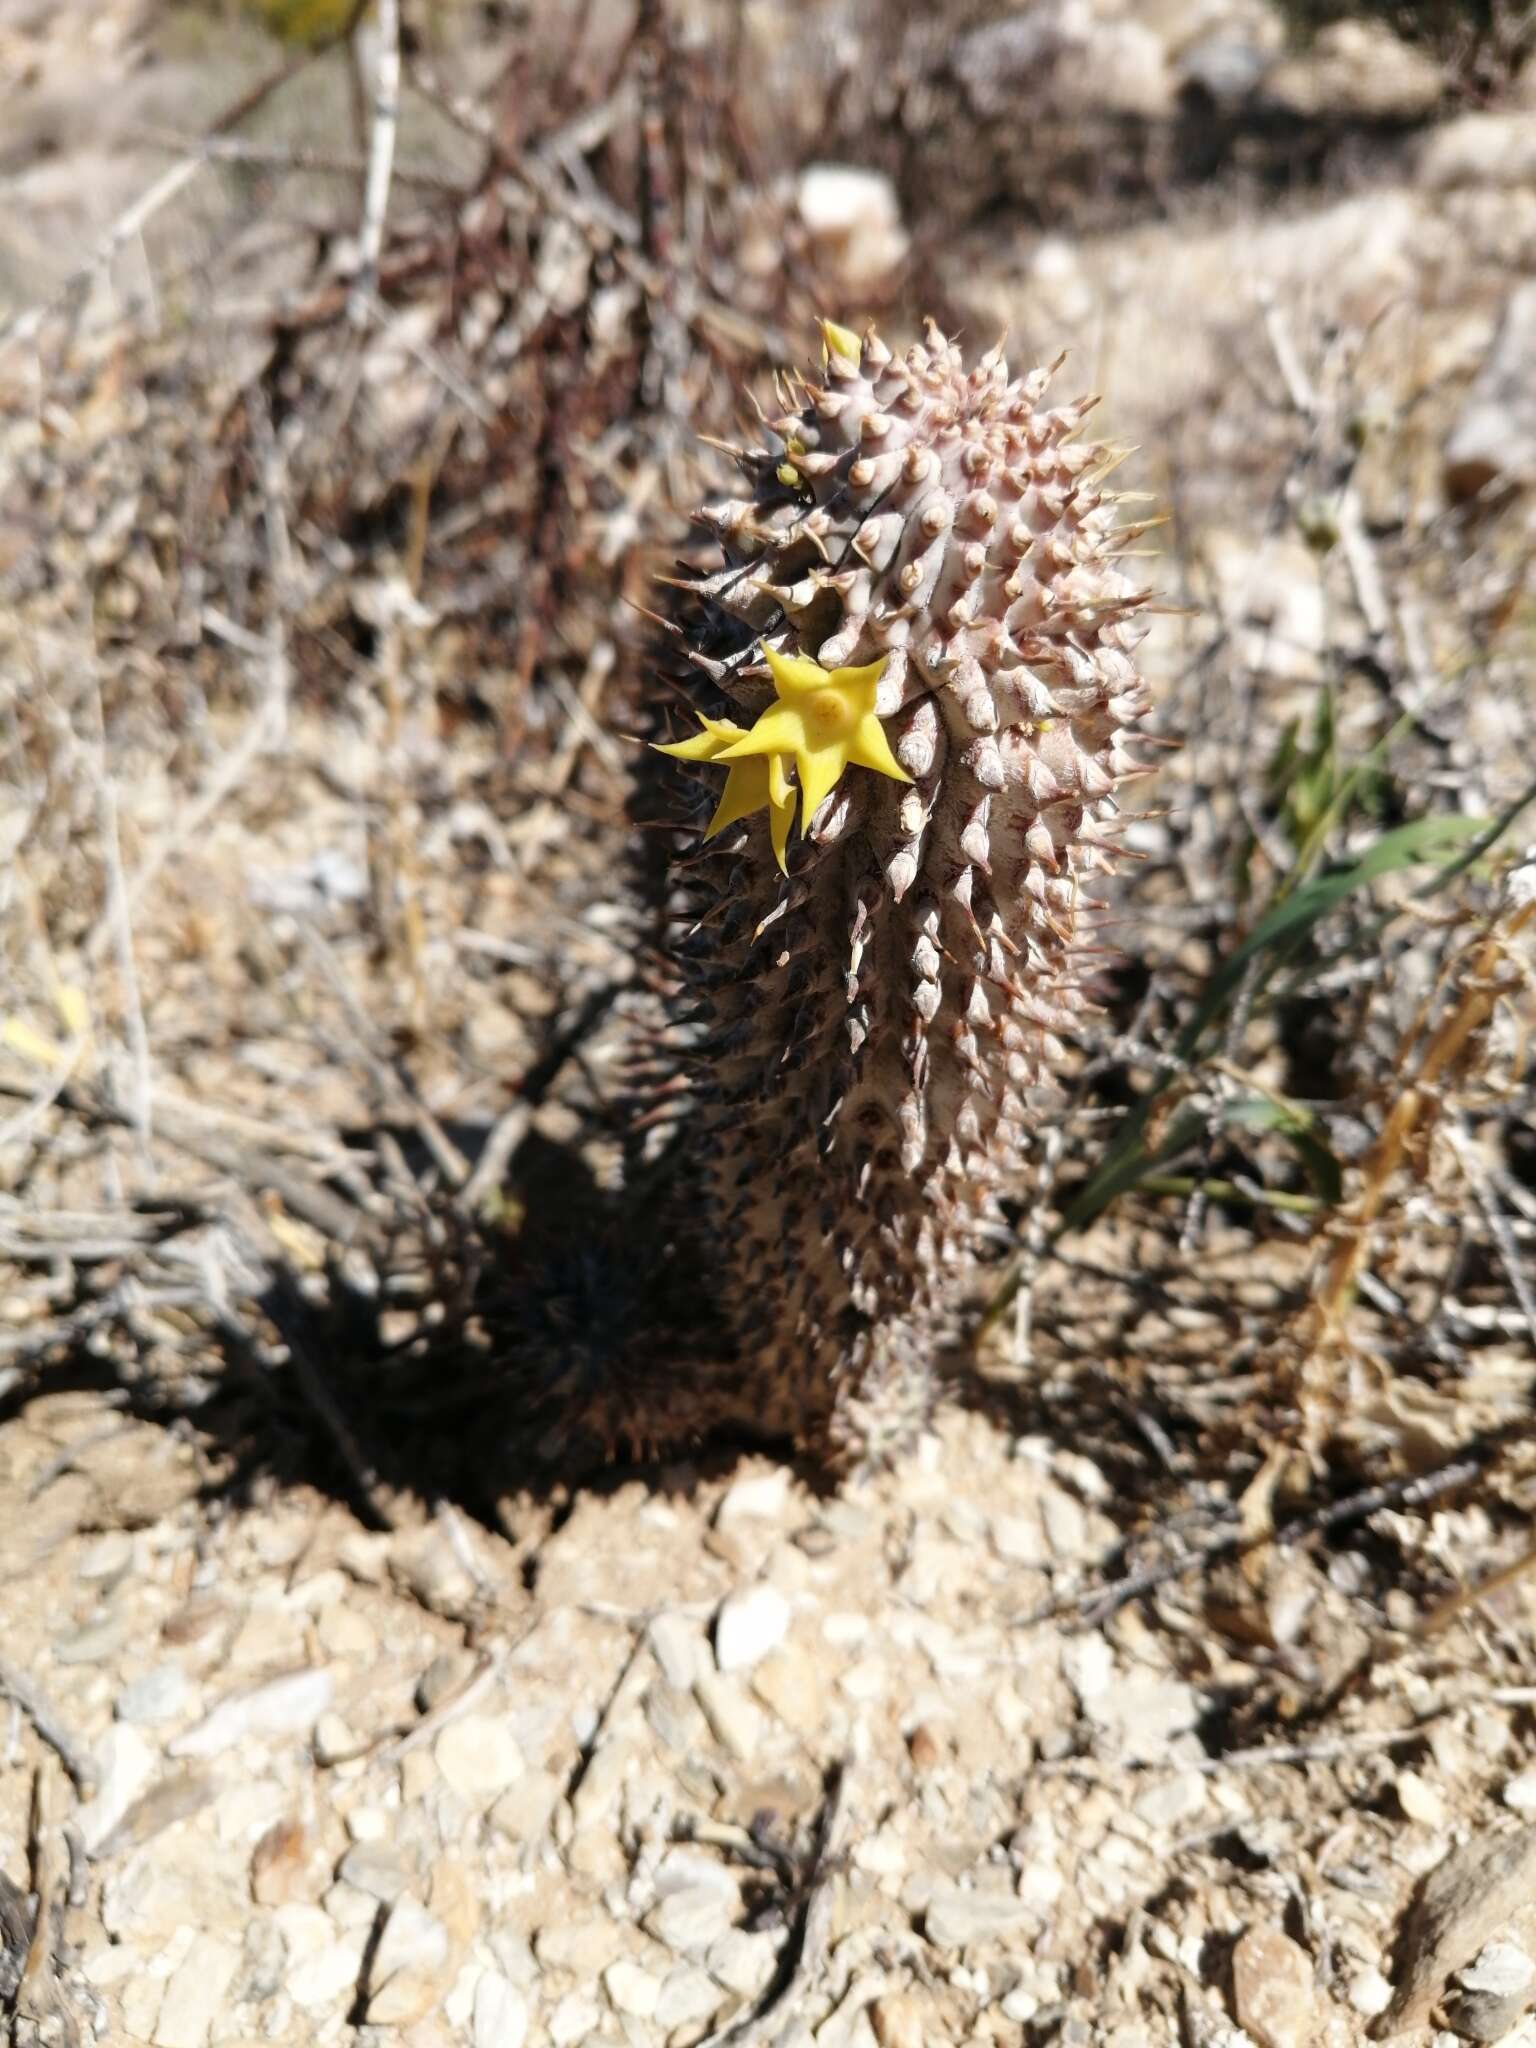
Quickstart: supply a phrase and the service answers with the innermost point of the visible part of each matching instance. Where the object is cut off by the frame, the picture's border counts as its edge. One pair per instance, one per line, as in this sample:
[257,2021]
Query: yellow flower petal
[780,730]
[860,683]
[869,748]
[794,674]
[819,776]
[705,745]
[746,791]
[841,341]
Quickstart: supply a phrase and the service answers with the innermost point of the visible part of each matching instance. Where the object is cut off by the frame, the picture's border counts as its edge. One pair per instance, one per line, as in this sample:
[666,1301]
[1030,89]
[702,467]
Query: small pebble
[478,1757]
[376,1870]
[195,1993]
[285,1706]
[328,1977]
[631,1989]
[107,1558]
[576,2016]
[757,1496]
[1272,1989]
[1520,1793]
[743,1962]
[735,1721]
[1369,1993]
[159,1694]
[500,2017]
[686,1997]
[956,1916]
[1419,1799]
[689,1921]
[750,1623]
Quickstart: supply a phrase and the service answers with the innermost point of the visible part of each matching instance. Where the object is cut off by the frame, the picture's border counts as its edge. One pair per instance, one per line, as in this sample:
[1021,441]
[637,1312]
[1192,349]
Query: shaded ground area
[1134,1705]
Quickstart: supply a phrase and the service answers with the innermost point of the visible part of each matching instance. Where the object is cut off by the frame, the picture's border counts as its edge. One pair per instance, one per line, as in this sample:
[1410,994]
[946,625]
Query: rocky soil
[707,1754]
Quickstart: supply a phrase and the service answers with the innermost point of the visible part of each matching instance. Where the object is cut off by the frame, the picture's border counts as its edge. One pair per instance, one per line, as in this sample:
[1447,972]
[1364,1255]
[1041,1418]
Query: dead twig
[804,1953]
[44,1717]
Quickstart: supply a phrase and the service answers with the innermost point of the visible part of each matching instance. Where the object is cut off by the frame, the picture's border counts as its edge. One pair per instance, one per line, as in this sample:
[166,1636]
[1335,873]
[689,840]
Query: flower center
[829,714]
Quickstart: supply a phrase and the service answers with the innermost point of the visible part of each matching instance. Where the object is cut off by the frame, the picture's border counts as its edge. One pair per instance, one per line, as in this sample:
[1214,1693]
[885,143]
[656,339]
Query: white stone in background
[735,1721]
[1420,1800]
[126,1764]
[500,2013]
[751,1622]
[195,1993]
[1480,149]
[1088,1665]
[631,1989]
[956,1917]
[687,1996]
[743,1962]
[159,1694]
[1369,1993]
[1145,1713]
[290,1705]
[678,1648]
[1520,1793]
[854,218]
[478,1757]
[329,1976]
[577,2015]
[755,1496]
[107,1558]
[1494,439]
[413,1952]
[690,1921]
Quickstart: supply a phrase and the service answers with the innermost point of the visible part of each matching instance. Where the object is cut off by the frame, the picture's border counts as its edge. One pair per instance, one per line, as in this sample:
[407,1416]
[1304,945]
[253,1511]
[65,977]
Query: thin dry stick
[805,1951]
[67,1747]
[25,326]
[381,155]
[119,921]
[1482,987]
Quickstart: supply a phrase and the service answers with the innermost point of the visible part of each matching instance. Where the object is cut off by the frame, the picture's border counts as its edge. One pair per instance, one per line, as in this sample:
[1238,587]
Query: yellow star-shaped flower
[749,786]
[825,719]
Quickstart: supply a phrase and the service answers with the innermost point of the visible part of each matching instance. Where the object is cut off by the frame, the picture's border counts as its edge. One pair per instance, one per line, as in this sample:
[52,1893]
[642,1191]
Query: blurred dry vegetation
[327,530]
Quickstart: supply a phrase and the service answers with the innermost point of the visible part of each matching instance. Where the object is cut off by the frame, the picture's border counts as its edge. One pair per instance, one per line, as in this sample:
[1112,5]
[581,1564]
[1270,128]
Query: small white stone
[328,1977]
[751,1622]
[755,1496]
[735,1721]
[687,1996]
[1520,1793]
[576,2016]
[1500,1969]
[368,1824]
[195,1993]
[678,1648]
[689,1921]
[159,1694]
[500,2013]
[631,1990]
[1088,1665]
[1419,1799]
[413,1939]
[743,1962]
[956,1917]
[479,1757]
[126,1764]
[290,1705]
[1369,1993]
[107,1558]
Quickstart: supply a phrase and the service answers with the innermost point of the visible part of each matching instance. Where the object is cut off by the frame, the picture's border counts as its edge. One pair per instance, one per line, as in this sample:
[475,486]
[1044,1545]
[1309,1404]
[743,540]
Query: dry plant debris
[1180,1681]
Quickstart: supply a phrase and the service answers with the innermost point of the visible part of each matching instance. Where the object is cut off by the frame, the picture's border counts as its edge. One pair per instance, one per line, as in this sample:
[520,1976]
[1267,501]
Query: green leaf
[1273,940]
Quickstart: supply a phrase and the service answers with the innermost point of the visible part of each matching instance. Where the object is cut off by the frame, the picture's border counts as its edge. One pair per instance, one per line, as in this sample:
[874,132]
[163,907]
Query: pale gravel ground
[568,1782]
[487,1814]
